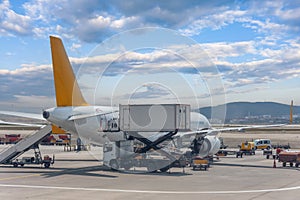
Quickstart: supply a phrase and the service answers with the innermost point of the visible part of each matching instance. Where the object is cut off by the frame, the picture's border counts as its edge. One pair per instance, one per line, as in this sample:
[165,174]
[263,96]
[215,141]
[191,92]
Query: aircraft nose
[46,114]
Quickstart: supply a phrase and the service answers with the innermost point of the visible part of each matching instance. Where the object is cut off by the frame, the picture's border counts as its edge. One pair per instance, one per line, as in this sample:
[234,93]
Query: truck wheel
[114,164]
[164,169]
[127,167]
[151,167]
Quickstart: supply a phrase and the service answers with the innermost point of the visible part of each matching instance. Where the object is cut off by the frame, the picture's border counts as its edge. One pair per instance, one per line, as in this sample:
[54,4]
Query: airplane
[89,122]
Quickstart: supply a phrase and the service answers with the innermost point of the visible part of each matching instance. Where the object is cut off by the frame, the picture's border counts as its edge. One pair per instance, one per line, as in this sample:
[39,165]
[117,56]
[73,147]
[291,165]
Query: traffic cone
[274,164]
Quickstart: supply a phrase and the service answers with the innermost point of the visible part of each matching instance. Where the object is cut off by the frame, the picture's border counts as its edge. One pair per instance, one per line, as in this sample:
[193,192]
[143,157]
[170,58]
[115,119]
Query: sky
[196,52]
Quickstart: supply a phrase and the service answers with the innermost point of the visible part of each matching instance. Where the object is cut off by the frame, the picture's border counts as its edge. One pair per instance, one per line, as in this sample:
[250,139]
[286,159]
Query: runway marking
[148,191]
[16,177]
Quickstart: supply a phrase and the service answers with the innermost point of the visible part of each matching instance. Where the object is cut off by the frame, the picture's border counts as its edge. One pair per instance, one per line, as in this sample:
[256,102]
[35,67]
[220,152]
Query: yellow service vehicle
[200,163]
[262,144]
[246,148]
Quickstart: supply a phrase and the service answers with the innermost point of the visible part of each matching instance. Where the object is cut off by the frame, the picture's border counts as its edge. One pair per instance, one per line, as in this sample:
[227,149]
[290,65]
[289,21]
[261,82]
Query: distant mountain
[240,110]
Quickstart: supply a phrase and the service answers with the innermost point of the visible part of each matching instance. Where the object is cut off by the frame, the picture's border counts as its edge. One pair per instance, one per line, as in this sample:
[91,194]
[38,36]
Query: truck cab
[262,144]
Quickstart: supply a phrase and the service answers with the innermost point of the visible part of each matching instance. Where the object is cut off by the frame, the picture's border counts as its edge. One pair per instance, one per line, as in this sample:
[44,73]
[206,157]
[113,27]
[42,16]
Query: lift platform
[24,145]
[163,121]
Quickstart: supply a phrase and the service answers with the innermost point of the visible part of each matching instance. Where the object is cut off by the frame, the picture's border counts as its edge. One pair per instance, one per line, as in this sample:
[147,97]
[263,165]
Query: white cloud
[25,69]
[97,20]
[223,50]
[74,46]
[270,54]
[13,23]
[124,22]
[213,21]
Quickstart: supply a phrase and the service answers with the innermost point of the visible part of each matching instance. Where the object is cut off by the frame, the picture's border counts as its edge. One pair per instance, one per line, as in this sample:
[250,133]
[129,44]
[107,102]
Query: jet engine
[206,145]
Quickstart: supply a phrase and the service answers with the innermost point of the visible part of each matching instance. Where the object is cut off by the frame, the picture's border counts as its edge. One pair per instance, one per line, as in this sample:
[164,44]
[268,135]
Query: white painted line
[148,191]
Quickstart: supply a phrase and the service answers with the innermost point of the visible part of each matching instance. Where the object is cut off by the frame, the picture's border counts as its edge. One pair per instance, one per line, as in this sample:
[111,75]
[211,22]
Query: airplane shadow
[255,166]
[156,173]
[91,171]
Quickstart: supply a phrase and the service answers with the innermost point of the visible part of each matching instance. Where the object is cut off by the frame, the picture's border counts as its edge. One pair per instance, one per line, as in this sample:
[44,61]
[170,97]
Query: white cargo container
[154,117]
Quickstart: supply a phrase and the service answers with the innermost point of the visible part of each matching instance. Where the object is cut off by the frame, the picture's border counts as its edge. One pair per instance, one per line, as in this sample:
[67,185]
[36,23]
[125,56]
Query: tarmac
[80,175]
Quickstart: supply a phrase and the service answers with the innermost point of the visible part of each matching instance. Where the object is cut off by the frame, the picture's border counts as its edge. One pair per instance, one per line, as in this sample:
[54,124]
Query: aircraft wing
[82,116]
[20,124]
[22,114]
[215,131]
[247,127]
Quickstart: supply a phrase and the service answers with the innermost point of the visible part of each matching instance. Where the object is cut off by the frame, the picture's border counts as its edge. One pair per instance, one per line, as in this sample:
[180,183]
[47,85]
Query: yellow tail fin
[66,86]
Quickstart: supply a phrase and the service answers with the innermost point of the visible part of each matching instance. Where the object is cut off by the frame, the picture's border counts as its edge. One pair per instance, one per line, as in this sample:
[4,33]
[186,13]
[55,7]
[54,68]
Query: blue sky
[252,47]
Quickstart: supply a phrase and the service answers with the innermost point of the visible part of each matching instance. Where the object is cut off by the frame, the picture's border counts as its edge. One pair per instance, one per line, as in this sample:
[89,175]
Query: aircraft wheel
[114,164]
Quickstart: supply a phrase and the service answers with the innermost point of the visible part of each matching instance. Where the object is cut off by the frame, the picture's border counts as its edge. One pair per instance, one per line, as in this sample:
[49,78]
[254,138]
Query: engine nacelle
[210,146]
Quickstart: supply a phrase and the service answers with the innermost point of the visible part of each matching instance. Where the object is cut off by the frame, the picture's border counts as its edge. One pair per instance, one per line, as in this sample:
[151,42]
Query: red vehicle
[12,138]
[289,157]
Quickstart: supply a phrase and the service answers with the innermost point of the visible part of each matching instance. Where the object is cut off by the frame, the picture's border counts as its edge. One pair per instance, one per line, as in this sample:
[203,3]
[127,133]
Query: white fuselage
[90,122]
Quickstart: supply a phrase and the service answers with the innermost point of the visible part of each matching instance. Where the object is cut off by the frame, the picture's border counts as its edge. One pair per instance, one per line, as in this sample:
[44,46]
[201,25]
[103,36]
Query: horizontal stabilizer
[22,114]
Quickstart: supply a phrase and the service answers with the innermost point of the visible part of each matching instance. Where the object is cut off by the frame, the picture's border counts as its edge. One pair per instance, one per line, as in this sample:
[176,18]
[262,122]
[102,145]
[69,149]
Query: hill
[242,110]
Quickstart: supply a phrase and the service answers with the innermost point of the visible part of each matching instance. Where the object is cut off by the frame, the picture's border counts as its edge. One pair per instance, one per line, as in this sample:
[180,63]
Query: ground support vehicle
[134,150]
[291,157]
[226,152]
[199,163]
[281,146]
[36,160]
[126,155]
[10,155]
[262,144]
[268,153]
[246,148]
[10,139]
[223,146]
